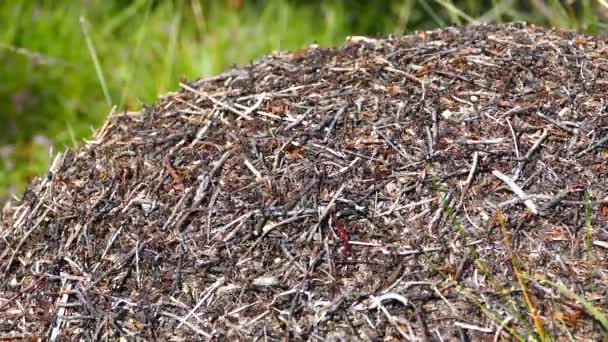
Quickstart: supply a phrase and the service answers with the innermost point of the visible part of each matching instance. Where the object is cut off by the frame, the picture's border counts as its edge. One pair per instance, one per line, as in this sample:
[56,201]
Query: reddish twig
[344,237]
[177,179]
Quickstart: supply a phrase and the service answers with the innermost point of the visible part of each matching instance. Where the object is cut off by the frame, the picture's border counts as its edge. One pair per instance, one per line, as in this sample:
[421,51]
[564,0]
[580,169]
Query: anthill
[445,185]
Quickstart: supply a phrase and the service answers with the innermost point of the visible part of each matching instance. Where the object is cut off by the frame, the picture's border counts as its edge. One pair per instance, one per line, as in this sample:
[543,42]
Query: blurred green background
[64,64]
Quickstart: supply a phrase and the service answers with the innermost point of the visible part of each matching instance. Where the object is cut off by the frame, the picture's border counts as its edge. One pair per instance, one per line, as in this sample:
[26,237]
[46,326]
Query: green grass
[591,309]
[518,312]
[511,306]
[61,75]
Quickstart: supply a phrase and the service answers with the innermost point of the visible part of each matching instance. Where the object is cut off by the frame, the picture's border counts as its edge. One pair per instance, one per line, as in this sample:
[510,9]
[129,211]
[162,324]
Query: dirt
[446,185]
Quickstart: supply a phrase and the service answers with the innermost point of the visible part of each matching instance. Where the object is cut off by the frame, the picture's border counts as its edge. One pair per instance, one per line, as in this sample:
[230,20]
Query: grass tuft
[591,309]
[517,270]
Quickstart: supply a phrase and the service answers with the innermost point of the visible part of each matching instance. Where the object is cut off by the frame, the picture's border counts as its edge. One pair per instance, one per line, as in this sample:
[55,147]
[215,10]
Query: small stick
[269,229]
[98,137]
[410,77]
[425,336]
[355,334]
[514,138]
[467,183]
[435,127]
[217,102]
[518,109]
[390,318]
[502,325]
[177,207]
[603,244]
[188,324]
[429,139]
[123,262]
[405,252]
[253,108]
[105,251]
[517,190]
[253,170]
[557,123]
[233,222]
[536,145]
[346,168]
[61,317]
[390,143]
[473,327]
[406,206]
[531,151]
[597,144]
[483,142]
[204,185]
[277,154]
[332,125]
[201,133]
[308,235]
[298,120]
[209,291]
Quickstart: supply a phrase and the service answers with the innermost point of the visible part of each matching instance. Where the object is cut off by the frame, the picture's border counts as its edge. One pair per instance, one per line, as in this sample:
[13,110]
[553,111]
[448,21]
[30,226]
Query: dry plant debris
[445,185]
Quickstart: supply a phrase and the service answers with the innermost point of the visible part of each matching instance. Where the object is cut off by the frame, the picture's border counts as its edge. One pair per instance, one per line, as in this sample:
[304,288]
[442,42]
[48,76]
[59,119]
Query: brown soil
[441,186]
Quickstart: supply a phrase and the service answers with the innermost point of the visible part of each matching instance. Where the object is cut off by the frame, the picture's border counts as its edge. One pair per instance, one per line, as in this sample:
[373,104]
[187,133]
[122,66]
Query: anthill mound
[444,185]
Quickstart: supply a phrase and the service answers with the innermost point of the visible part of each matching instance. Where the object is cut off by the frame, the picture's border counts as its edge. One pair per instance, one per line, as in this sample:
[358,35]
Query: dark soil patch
[354,193]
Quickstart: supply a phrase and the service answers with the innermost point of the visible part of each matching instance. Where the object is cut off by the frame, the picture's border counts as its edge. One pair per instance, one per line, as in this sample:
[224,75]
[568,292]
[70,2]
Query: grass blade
[516,264]
[93,53]
[589,307]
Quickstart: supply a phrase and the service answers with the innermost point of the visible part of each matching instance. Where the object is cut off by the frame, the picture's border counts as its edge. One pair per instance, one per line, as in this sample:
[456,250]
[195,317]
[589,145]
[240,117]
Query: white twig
[59,322]
[517,190]
[602,244]
[233,222]
[473,327]
[256,105]
[377,301]
[209,291]
[467,183]
[536,144]
[390,318]
[253,170]
[514,138]
[215,101]
[403,252]
[501,327]
[483,142]
[188,324]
